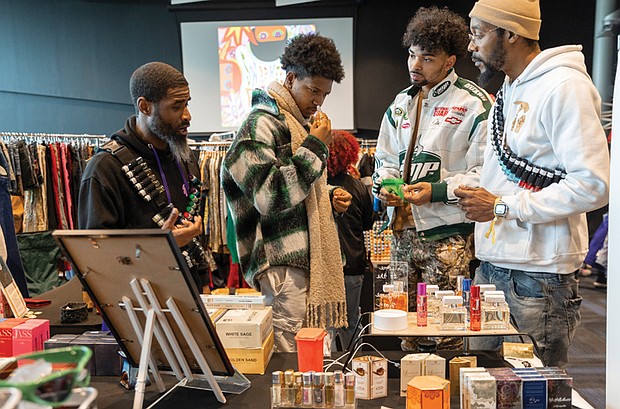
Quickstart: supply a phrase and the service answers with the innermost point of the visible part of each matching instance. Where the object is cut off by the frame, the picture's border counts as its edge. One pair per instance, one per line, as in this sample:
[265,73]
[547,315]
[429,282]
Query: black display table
[69,292]
[113,396]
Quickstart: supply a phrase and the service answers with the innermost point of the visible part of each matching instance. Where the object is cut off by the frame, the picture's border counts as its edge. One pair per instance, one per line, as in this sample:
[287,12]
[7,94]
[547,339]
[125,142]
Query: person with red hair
[343,154]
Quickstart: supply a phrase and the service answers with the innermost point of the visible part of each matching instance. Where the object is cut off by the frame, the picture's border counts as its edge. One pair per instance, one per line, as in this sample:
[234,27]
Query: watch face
[501,209]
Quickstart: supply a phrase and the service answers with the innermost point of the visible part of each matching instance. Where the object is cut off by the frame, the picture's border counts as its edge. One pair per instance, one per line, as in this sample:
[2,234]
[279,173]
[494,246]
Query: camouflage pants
[433,262]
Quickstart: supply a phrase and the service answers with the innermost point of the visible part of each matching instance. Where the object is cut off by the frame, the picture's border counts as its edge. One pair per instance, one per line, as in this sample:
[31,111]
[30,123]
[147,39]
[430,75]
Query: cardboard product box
[435,365]
[6,335]
[517,350]
[481,392]
[96,334]
[252,360]
[559,391]
[455,365]
[411,365]
[466,374]
[30,336]
[534,391]
[90,343]
[370,377]
[59,341]
[508,395]
[250,301]
[428,392]
[245,328]
[106,357]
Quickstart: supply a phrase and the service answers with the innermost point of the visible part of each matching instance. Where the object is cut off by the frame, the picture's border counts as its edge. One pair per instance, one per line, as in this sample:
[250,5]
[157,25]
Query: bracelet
[73,313]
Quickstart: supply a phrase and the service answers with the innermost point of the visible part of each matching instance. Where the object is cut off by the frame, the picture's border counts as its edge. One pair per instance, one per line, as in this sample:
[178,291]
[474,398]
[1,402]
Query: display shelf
[433,330]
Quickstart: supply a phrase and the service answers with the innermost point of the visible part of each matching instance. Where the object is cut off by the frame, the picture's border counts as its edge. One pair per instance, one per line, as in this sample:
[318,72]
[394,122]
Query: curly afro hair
[153,80]
[343,151]
[309,55]
[437,29]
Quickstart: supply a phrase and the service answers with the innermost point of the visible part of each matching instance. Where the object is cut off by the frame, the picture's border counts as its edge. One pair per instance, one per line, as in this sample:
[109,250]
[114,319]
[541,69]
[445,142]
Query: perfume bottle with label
[277,379]
[349,385]
[288,392]
[318,389]
[338,389]
[475,310]
[465,293]
[329,390]
[495,313]
[306,393]
[422,306]
[453,314]
[434,302]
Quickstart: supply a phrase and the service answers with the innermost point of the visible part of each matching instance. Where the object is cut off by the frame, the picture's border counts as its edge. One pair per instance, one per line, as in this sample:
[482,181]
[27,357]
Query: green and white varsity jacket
[449,150]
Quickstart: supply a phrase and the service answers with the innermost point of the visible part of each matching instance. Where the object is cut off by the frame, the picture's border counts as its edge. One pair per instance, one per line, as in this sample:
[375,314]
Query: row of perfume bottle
[311,389]
[476,308]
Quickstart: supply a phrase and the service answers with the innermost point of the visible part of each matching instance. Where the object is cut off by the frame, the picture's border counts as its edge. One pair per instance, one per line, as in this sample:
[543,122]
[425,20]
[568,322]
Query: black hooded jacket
[107,199]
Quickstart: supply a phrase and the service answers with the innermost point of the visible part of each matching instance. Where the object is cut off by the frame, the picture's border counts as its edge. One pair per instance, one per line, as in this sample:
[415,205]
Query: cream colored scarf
[326,305]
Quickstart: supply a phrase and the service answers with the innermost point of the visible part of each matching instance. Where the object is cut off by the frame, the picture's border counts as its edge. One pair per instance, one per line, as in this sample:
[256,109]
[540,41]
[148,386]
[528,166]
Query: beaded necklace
[518,170]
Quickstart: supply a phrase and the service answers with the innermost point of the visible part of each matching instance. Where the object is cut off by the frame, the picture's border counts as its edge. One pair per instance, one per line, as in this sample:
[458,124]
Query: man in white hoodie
[546,164]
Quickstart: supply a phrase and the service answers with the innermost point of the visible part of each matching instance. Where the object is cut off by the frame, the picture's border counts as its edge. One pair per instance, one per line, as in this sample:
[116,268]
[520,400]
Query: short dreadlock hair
[309,55]
[153,80]
[437,29]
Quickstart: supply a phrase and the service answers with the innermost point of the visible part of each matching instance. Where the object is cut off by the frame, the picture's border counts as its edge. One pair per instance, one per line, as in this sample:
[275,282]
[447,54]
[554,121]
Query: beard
[176,142]
[492,66]
[419,83]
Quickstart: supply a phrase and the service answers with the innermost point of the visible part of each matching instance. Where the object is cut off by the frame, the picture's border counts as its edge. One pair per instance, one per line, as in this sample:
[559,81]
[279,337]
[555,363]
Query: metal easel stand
[157,325]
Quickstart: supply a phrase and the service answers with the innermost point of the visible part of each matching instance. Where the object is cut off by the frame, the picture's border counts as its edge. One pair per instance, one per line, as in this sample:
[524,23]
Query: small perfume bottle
[495,313]
[329,390]
[288,395]
[318,389]
[400,298]
[386,297]
[475,311]
[465,293]
[486,287]
[299,388]
[459,285]
[453,314]
[421,305]
[277,379]
[431,289]
[349,383]
[434,303]
[306,394]
[338,389]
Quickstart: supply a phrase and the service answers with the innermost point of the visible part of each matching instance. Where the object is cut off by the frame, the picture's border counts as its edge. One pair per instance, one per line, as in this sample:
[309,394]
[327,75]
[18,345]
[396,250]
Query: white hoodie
[552,118]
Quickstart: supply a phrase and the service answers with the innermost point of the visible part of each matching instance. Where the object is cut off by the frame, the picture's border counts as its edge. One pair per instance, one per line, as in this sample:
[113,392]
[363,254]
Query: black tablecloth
[69,292]
[112,395]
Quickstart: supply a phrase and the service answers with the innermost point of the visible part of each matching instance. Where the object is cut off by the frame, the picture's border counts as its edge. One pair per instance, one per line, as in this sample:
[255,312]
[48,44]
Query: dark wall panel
[65,64]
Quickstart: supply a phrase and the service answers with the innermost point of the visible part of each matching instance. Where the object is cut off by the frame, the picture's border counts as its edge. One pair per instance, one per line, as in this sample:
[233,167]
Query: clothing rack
[210,146]
[52,137]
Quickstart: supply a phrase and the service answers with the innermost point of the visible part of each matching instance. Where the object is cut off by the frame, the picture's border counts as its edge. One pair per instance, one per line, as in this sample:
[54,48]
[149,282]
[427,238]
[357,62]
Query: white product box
[245,328]
[370,377]
[411,365]
[435,365]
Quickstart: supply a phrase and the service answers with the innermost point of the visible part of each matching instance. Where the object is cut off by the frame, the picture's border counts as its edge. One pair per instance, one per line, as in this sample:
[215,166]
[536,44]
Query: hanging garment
[14,261]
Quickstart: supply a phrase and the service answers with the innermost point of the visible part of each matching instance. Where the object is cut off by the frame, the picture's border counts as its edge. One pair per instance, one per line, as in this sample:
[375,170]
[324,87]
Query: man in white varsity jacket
[438,125]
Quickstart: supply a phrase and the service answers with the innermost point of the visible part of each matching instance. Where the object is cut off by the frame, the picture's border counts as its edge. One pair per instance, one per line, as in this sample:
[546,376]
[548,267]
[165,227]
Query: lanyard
[163,176]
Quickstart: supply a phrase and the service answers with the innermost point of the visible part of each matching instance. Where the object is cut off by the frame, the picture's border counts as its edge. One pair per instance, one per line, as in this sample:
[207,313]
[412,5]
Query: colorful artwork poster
[249,57]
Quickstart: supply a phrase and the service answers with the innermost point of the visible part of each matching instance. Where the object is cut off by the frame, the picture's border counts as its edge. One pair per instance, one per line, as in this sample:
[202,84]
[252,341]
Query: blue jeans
[353,289]
[544,305]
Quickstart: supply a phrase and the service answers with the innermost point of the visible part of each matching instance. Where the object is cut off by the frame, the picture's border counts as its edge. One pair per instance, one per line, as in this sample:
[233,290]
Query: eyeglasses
[475,38]
[68,371]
